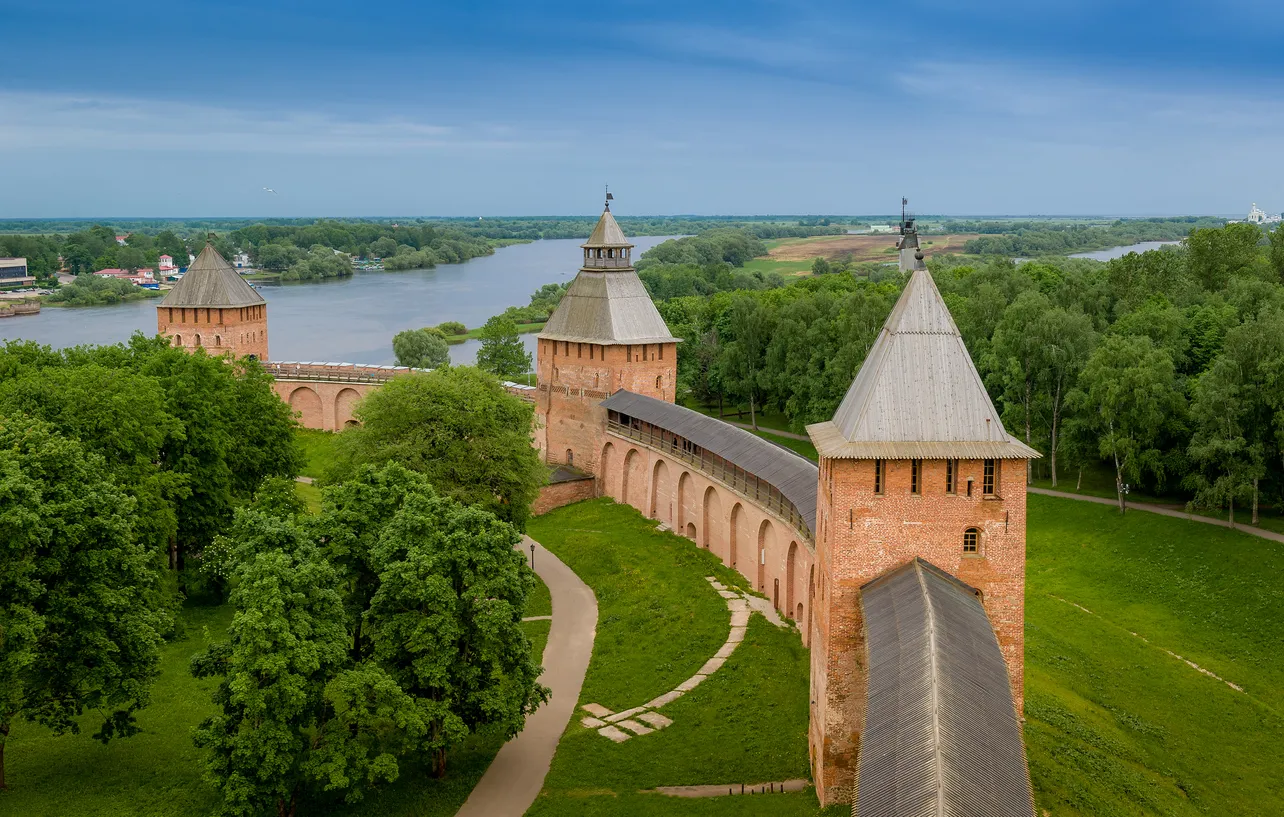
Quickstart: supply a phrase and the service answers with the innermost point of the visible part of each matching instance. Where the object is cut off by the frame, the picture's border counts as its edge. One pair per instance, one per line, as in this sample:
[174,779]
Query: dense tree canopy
[188,435]
[81,607]
[421,348]
[383,631]
[457,426]
[502,353]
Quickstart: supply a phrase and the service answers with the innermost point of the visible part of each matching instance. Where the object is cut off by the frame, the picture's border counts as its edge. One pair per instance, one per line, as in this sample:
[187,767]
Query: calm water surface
[1120,252]
[351,319]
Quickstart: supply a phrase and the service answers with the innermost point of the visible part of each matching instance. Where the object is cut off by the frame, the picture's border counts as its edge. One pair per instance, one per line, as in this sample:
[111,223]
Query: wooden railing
[336,372]
[760,491]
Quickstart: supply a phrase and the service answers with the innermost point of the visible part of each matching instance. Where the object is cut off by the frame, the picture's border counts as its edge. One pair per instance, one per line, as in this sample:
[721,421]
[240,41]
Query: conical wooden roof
[212,281]
[607,233]
[608,306]
[918,394]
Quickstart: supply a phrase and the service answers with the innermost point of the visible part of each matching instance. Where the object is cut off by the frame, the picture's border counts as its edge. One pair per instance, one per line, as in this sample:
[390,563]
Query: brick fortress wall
[240,330]
[864,535]
[574,378]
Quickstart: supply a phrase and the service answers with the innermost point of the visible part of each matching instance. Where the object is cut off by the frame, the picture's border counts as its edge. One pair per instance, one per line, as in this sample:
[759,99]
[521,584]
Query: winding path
[517,774]
[1142,506]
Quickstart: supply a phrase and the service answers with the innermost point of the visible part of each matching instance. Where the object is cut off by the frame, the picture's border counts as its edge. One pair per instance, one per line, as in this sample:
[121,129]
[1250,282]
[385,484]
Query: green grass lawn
[1099,480]
[1115,724]
[473,334]
[803,447]
[318,450]
[658,621]
[159,771]
[539,602]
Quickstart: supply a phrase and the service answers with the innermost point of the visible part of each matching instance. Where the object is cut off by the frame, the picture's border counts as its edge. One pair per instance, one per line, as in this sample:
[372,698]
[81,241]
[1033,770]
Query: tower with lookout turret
[915,463]
[212,307]
[605,335]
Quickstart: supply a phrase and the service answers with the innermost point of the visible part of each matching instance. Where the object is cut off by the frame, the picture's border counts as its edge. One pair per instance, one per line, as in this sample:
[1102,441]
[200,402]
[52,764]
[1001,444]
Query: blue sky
[496,108]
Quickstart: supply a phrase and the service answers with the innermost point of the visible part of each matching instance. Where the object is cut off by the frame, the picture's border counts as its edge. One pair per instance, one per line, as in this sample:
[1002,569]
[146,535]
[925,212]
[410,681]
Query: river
[1120,252]
[353,319]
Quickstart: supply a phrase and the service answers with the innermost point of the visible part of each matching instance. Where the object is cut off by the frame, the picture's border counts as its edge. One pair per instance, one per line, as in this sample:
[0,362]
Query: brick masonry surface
[864,535]
[320,404]
[240,330]
[564,493]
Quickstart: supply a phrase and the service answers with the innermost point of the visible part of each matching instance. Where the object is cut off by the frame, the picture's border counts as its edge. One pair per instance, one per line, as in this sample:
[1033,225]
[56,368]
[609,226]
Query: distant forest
[1035,238]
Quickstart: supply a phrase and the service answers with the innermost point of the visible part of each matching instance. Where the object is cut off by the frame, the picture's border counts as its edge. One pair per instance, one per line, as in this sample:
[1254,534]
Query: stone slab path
[517,774]
[620,726]
[715,790]
[1162,511]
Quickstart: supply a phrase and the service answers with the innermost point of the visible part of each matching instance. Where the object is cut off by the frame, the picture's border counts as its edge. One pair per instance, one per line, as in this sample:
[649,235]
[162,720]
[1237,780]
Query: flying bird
[270,190]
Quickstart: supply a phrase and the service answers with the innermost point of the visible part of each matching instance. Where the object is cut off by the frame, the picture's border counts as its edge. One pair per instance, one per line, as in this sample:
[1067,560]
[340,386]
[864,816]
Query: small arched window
[570,457]
[218,341]
[972,541]
[198,340]
[657,380]
[178,340]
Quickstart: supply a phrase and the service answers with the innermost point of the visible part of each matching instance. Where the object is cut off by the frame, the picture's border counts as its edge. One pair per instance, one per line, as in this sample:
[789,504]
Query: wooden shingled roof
[918,394]
[941,734]
[211,281]
[607,306]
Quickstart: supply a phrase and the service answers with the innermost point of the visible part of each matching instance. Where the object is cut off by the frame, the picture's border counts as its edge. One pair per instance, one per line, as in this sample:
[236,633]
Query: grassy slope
[1099,480]
[658,621]
[1116,725]
[473,334]
[318,450]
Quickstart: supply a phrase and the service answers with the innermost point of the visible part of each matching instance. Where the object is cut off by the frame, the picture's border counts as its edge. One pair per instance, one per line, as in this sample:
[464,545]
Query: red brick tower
[213,308]
[605,335]
[914,463]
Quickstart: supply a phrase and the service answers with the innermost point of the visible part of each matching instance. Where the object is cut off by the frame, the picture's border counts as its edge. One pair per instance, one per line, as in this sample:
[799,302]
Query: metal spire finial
[609,197]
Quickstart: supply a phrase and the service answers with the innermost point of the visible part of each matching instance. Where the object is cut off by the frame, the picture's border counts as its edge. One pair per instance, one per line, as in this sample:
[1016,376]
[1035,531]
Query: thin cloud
[69,122]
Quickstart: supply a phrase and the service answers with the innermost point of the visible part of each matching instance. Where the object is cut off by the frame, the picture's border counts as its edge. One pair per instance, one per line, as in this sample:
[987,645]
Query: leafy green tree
[1069,340]
[130,258]
[1277,252]
[457,426]
[286,642]
[1218,254]
[81,611]
[421,348]
[446,620]
[1233,409]
[1129,397]
[502,353]
[1018,361]
[452,328]
[749,327]
[821,266]
[276,257]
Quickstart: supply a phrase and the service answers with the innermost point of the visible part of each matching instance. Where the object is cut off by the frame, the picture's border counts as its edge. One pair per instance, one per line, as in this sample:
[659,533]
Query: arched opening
[791,568]
[661,494]
[198,340]
[178,340]
[739,537]
[570,457]
[635,479]
[610,485]
[691,531]
[798,618]
[775,594]
[766,539]
[218,340]
[811,603]
[307,403]
[686,499]
[972,542]
[345,406]
[713,537]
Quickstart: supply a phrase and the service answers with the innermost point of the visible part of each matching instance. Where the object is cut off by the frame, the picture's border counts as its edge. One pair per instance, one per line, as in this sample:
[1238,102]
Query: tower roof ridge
[607,233]
[212,281]
[918,394]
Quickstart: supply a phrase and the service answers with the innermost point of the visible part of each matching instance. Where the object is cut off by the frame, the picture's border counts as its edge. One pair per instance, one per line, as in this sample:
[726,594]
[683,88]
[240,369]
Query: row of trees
[115,462]
[1162,366]
[1044,238]
[383,631]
